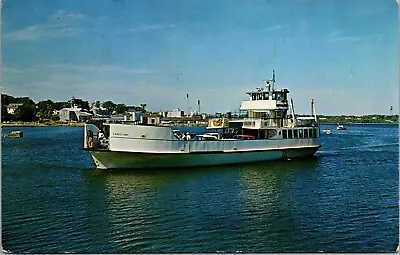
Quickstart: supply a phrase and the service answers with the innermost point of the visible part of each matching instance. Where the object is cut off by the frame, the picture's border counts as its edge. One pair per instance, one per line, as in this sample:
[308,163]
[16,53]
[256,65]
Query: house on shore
[75,114]
[12,107]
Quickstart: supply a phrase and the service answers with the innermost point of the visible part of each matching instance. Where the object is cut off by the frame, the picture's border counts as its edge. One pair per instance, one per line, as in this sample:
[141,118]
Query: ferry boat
[269,131]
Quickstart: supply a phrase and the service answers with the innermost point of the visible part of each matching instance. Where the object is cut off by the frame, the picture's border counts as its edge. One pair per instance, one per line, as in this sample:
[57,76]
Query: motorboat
[341,127]
[327,131]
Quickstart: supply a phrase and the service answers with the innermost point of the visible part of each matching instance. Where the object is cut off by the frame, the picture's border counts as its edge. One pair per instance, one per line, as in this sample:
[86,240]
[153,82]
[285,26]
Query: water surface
[345,199]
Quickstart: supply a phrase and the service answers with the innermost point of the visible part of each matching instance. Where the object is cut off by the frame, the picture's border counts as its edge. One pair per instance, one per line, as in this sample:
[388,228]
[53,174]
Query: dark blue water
[343,200]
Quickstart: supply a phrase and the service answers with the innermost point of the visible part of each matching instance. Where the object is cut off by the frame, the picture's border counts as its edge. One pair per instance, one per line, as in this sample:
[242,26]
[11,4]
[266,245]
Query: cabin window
[273,96]
[305,133]
[300,133]
[259,96]
[315,132]
[310,132]
[253,96]
[290,134]
[265,96]
[295,133]
[284,134]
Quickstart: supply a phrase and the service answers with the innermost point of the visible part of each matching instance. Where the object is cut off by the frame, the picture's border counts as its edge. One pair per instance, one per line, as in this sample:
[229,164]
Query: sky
[342,53]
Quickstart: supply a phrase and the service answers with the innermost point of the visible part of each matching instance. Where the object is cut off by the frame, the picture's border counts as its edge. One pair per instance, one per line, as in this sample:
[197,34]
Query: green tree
[25,112]
[5,116]
[45,109]
[79,103]
[5,100]
[110,106]
[23,100]
[143,108]
[121,108]
[60,105]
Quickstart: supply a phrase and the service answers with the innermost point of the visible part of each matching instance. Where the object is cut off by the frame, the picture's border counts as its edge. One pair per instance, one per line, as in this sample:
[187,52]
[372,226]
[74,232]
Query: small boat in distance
[327,131]
[340,127]
[269,130]
[15,134]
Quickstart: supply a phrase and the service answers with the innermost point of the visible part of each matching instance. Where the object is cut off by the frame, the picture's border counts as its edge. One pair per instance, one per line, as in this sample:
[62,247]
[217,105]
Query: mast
[273,79]
[313,113]
[273,70]
[187,96]
[292,110]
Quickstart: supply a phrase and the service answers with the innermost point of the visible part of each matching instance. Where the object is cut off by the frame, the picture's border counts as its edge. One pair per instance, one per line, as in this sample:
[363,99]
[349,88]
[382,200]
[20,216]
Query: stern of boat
[95,137]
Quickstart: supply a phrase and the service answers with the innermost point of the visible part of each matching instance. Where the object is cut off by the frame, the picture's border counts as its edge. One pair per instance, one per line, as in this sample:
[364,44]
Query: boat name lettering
[120,134]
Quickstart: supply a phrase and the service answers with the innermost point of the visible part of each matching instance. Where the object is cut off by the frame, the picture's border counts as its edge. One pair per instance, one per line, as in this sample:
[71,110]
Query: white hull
[119,160]
[138,146]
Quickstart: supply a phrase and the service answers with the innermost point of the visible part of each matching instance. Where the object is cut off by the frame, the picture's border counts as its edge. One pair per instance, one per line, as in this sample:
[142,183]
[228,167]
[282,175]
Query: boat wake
[367,146]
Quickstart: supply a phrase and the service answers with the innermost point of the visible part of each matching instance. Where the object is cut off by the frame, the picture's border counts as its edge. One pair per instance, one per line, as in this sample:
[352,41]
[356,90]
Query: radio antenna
[273,70]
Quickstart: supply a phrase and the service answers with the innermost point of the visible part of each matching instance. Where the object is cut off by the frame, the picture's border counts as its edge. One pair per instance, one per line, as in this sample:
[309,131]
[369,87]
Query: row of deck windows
[265,96]
[300,133]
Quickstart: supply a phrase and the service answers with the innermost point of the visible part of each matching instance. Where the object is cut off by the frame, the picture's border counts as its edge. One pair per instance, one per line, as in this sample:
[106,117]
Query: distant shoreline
[81,124]
[36,124]
[360,123]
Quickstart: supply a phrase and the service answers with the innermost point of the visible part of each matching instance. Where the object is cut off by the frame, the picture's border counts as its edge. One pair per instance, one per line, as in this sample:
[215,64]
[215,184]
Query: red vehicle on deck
[244,137]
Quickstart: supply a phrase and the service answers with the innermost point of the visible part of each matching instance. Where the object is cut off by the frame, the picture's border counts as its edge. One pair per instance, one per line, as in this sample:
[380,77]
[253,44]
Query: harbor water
[345,199]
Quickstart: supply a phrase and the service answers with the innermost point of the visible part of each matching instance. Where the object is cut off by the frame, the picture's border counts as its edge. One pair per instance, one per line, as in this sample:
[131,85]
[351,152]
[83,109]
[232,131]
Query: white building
[74,114]
[12,107]
[175,113]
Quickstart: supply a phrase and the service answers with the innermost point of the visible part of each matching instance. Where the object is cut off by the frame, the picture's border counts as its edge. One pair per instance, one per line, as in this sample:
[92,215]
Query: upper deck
[266,100]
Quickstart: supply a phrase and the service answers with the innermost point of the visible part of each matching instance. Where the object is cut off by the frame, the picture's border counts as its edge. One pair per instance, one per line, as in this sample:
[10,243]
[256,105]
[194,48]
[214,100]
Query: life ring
[217,122]
[90,142]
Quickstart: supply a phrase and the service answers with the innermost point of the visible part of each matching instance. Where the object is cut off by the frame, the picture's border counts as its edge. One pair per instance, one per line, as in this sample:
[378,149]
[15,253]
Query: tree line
[44,110]
[347,119]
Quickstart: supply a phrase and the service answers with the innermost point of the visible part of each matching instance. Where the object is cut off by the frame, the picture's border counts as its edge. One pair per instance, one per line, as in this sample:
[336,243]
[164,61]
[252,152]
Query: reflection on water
[343,200]
[172,209]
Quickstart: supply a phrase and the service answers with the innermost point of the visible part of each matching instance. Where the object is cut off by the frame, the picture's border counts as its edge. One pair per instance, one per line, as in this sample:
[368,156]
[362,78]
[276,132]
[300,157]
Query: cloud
[60,24]
[344,39]
[12,70]
[340,36]
[105,68]
[36,32]
[276,27]
[62,15]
